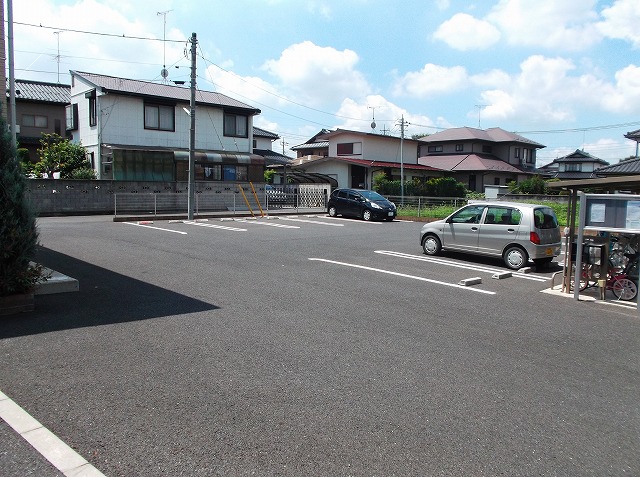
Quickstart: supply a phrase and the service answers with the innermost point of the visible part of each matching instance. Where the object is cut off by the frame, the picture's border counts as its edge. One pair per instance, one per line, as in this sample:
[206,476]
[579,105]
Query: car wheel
[515,257]
[431,245]
[332,211]
[366,215]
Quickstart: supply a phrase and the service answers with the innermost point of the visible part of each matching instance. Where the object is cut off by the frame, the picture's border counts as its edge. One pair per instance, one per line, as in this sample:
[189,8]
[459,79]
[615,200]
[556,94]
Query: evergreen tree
[18,232]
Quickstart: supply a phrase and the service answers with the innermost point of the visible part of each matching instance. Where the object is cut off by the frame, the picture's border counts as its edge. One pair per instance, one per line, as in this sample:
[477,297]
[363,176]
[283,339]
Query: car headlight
[375,206]
[393,205]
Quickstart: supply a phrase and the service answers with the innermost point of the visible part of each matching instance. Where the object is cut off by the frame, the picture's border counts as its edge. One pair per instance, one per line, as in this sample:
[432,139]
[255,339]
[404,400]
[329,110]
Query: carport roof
[606,183]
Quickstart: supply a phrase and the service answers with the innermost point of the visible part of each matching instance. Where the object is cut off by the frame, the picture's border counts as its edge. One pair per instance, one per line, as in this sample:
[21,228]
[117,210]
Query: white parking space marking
[156,228]
[466,266]
[291,219]
[413,277]
[269,224]
[63,457]
[353,221]
[213,226]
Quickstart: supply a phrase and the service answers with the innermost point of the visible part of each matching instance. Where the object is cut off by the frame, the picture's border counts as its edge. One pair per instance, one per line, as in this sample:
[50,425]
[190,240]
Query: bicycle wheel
[585,277]
[624,289]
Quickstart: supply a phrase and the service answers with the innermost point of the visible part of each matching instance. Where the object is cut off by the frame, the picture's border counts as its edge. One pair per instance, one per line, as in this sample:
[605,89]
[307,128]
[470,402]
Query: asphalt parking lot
[309,345]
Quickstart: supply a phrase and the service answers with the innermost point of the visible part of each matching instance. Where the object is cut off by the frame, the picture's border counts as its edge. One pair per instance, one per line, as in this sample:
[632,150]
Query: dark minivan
[365,204]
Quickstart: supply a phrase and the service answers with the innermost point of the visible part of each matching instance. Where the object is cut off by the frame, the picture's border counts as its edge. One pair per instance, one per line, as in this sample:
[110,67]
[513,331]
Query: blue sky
[563,73]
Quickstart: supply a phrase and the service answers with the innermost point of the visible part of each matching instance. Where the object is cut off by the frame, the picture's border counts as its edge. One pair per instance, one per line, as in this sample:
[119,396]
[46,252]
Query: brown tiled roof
[467,162]
[156,90]
[489,135]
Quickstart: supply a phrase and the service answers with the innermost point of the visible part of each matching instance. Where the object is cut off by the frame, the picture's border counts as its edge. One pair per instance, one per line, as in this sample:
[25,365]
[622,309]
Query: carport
[610,207]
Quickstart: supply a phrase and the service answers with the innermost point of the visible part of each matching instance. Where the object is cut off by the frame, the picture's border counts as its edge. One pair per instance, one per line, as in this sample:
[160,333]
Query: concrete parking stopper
[470,281]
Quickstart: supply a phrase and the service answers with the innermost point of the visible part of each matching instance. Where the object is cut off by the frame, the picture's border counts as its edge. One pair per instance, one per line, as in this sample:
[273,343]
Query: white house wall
[121,121]
[385,148]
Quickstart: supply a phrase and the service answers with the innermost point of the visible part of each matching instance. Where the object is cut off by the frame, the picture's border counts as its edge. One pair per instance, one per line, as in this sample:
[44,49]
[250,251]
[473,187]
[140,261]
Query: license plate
[390,214]
[549,252]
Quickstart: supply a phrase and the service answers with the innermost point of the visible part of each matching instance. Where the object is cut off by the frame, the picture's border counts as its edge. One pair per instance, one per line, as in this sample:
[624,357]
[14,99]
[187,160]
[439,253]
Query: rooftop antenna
[164,73]
[480,107]
[57,34]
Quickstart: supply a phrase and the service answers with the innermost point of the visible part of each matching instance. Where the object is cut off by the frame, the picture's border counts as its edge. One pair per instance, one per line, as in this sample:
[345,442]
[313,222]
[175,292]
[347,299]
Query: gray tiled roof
[582,157]
[622,168]
[311,145]
[42,92]
[273,157]
[156,90]
[264,133]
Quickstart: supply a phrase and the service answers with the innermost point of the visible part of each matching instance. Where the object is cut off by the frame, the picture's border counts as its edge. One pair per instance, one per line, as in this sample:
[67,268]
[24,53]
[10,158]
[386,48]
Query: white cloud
[624,96]
[111,55]
[464,32]
[358,115]
[442,4]
[319,8]
[544,90]
[243,88]
[431,80]
[318,75]
[621,21]
[566,24]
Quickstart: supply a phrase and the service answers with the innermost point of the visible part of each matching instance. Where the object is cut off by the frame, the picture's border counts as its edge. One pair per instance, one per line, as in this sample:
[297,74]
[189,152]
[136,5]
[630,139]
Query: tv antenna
[164,73]
[480,107]
[57,34]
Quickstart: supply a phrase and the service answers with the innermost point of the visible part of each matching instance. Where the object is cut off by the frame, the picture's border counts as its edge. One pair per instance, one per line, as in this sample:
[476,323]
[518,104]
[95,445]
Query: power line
[85,32]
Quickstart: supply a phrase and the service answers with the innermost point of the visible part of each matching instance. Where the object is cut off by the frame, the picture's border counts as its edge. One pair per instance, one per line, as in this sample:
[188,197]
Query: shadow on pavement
[105,298]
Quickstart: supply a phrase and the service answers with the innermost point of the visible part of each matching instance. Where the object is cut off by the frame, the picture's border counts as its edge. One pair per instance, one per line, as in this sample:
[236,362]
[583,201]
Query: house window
[496,181]
[71,111]
[516,153]
[235,173]
[349,148]
[434,149]
[213,172]
[459,147]
[573,167]
[255,144]
[531,156]
[235,125]
[93,110]
[34,121]
[487,149]
[159,116]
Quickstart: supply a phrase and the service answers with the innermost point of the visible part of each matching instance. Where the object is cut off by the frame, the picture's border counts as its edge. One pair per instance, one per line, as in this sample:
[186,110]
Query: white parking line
[353,221]
[156,228]
[213,226]
[311,221]
[270,224]
[413,277]
[466,266]
[63,457]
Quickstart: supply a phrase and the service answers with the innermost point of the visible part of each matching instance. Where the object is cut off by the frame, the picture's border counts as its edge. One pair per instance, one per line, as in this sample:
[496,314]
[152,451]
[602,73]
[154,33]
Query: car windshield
[371,195]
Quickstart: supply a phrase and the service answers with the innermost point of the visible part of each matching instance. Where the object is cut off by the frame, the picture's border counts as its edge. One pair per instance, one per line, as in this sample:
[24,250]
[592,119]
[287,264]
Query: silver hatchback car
[514,231]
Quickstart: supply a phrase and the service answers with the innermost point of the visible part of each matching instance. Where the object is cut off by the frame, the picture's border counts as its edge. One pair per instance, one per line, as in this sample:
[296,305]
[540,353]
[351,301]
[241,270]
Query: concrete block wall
[51,197]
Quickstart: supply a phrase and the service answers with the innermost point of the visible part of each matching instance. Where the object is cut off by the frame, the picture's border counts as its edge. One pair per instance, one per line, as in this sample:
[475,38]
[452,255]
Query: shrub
[18,232]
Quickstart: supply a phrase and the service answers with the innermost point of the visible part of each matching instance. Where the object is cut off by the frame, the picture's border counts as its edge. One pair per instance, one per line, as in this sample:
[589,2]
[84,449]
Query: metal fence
[157,204]
[426,207]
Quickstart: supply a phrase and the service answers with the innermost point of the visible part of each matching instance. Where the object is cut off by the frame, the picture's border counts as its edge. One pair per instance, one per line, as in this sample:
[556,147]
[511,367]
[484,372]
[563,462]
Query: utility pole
[12,77]
[57,34]
[192,131]
[284,175]
[403,123]
[480,108]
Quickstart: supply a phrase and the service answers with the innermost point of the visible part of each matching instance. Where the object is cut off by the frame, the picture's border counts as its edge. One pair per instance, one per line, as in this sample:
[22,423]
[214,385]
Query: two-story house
[577,165]
[478,157]
[352,158]
[138,130]
[40,109]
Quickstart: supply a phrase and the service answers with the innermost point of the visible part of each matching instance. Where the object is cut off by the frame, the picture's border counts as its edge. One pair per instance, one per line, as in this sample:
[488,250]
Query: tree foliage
[536,185]
[18,232]
[60,155]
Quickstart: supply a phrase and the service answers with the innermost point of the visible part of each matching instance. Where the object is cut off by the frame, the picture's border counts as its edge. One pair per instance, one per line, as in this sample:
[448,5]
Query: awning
[221,157]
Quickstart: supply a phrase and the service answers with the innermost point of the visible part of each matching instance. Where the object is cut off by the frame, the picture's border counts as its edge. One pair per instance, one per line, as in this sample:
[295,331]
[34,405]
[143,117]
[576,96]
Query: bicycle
[623,283]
